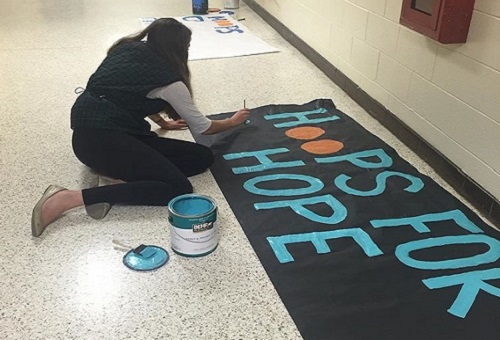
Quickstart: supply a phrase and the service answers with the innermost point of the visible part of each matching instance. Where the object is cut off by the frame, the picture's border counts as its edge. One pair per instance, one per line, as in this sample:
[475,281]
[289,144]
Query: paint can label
[193,220]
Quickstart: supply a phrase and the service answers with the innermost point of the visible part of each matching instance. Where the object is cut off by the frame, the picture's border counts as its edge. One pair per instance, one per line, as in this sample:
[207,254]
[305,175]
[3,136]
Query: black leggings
[155,168]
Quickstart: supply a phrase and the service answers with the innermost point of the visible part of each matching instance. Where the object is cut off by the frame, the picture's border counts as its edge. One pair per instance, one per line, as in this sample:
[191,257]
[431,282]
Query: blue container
[194,229]
[151,258]
[200,6]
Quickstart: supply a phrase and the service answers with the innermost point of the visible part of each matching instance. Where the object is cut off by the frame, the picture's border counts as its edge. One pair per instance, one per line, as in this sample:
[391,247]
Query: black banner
[357,242]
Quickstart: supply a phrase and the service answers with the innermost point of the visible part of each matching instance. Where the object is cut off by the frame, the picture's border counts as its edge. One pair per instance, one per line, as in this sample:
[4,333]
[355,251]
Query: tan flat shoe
[99,210]
[37,225]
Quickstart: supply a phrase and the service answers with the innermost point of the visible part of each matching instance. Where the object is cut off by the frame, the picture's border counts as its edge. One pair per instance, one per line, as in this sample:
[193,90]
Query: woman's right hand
[240,116]
[225,124]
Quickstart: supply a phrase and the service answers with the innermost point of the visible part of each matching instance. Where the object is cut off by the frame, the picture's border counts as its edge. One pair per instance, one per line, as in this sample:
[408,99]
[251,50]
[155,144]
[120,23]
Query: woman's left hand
[179,124]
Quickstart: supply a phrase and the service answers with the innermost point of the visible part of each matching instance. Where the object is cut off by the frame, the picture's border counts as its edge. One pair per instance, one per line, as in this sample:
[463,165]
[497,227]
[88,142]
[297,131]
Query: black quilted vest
[115,96]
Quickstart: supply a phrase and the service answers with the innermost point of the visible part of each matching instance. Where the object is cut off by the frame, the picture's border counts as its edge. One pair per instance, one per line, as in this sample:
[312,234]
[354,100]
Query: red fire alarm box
[446,21]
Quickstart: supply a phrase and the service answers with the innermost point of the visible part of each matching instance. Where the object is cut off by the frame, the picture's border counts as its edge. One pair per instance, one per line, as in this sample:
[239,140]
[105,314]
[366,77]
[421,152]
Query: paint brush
[142,250]
[245,106]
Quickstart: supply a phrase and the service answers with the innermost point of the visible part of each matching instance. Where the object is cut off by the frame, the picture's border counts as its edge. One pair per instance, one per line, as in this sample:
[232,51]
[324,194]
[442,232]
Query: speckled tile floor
[70,283]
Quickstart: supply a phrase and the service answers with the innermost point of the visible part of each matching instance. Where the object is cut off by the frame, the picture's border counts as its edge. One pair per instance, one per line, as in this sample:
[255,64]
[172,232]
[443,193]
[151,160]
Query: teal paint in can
[193,220]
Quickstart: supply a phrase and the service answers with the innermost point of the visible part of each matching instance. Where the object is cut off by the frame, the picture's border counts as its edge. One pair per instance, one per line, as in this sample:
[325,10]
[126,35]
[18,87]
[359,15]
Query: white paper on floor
[219,36]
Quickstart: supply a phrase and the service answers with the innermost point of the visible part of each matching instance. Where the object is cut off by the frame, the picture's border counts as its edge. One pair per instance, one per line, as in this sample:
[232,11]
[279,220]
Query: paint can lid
[149,258]
[191,205]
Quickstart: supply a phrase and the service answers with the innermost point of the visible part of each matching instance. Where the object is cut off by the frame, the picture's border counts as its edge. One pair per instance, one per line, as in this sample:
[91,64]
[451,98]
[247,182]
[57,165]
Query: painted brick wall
[448,94]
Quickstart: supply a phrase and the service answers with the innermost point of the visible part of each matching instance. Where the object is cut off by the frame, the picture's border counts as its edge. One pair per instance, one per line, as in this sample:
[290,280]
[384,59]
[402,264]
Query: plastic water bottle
[200,6]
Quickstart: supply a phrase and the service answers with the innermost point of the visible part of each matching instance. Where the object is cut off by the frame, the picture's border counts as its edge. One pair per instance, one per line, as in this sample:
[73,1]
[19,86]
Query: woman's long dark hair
[170,40]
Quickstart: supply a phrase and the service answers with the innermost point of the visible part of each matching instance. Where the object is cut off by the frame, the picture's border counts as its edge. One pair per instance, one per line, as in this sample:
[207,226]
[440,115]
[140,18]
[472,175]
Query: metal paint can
[231,4]
[193,220]
[200,6]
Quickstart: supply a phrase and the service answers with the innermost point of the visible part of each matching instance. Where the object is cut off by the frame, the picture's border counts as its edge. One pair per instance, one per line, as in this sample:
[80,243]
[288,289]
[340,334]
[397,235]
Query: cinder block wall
[448,94]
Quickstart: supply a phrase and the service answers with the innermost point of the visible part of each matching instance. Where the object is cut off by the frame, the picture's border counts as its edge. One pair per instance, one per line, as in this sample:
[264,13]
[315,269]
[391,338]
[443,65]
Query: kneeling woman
[137,80]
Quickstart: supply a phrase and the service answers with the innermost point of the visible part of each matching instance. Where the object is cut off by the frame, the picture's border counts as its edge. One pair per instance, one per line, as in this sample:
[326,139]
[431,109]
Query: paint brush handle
[122,245]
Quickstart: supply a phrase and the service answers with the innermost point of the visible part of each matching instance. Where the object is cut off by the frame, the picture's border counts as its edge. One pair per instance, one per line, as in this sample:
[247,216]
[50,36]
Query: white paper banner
[219,36]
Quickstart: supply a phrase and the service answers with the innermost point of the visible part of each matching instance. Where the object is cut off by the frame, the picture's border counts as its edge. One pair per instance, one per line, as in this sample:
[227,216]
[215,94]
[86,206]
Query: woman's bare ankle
[59,203]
